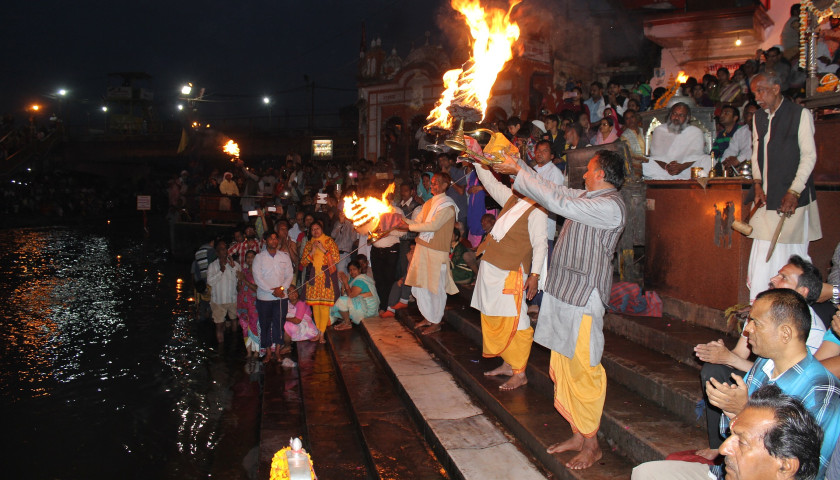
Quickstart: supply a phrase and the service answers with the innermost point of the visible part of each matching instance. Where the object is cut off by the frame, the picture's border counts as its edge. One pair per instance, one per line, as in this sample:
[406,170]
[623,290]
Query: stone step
[653,375]
[332,437]
[462,428]
[642,429]
[394,445]
[668,335]
[281,416]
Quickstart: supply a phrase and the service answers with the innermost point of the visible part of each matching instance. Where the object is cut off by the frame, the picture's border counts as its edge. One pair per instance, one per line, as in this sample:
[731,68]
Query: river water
[105,373]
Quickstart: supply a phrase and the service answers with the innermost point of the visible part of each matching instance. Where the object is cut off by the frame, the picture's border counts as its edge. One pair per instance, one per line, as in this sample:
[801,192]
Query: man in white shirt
[273,272]
[675,147]
[733,144]
[221,276]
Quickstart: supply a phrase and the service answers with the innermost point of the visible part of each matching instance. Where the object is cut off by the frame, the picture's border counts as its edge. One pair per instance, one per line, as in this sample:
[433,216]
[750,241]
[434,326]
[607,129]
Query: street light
[104,108]
[180,107]
[62,92]
[267,102]
[186,89]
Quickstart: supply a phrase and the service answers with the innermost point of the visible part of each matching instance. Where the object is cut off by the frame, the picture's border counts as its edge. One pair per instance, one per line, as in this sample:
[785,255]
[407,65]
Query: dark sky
[238,51]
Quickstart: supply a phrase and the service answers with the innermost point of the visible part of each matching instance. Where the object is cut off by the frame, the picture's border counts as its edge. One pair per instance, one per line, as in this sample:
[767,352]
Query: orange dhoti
[579,389]
[502,339]
[509,335]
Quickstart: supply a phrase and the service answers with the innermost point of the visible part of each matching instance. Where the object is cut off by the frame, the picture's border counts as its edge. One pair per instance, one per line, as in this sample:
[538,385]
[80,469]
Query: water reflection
[100,359]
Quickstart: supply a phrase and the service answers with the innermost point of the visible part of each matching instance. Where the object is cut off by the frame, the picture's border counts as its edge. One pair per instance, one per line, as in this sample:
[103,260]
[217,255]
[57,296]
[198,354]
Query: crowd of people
[538,258]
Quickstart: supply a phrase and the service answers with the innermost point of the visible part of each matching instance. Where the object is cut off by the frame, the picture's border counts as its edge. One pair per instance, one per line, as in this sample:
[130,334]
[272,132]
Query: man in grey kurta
[577,288]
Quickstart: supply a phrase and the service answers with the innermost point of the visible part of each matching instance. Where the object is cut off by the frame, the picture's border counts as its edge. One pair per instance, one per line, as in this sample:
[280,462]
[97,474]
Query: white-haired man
[675,147]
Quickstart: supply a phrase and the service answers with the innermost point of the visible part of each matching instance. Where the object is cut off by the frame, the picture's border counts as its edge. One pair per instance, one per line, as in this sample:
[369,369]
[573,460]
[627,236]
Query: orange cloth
[500,336]
[579,390]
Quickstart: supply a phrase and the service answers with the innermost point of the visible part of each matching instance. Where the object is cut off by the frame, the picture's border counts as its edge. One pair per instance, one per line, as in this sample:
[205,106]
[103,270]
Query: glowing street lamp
[186,89]
[104,108]
[35,107]
[62,92]
[267,102]
[180,107]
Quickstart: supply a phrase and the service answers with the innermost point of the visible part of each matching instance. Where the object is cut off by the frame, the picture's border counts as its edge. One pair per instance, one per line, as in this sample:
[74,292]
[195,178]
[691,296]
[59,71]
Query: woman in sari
[246,306]
[299,325]
[360,299]
[320,281]
[607,132]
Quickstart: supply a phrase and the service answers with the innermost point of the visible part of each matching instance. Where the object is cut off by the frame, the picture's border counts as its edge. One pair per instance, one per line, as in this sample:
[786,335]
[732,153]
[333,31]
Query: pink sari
[306,329]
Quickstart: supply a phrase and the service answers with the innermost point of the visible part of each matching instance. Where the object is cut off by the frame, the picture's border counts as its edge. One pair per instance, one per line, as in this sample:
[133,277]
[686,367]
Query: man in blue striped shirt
[777,329]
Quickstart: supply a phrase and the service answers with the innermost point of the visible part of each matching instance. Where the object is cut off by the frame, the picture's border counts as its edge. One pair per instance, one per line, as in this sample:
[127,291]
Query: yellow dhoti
[500,335]
[579,389]
[501,338]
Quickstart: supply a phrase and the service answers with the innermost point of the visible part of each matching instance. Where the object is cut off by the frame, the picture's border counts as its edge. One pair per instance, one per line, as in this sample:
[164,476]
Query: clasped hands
[729,398]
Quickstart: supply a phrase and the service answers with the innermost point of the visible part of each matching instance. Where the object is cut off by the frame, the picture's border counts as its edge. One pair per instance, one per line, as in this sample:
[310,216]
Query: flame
[493,37]
[682,78]
[231,148]
[369,209]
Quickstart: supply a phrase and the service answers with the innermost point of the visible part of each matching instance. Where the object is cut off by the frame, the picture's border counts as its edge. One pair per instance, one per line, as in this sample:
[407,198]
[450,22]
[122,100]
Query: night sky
[237,51]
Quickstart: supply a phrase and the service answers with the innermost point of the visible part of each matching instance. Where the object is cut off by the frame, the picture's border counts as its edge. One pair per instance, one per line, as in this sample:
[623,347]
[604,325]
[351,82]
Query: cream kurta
[424,270]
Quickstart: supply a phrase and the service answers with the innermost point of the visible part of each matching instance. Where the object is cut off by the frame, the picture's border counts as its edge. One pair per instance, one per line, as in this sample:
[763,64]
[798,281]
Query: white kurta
[684,147]
[490,282]
[800,229]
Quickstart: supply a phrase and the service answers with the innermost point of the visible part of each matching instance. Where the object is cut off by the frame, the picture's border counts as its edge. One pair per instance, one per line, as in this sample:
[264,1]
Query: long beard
[676,129]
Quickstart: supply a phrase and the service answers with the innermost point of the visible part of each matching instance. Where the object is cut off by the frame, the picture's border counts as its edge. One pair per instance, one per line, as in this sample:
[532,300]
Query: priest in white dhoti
[513,254]
[428,273]
[675,147]
[783,159]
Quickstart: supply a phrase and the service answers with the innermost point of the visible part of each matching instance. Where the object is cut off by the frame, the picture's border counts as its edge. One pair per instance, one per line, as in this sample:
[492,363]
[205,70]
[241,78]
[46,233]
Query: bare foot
[322,338]
[422,323]
[516,381]
[504,369]
[343,326]
[707,453]
[590,454]
[283,351]
[267,358]
[575,442]
[431,328]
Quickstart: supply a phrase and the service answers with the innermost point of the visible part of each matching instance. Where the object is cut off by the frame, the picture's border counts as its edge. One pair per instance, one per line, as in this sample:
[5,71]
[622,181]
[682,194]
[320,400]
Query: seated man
[773,437]
[720,363]
[777,329]
[675,147]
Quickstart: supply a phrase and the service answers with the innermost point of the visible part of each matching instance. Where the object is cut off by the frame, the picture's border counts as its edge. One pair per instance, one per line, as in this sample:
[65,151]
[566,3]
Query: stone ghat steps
[461,420]
[393,443]
[669,335]
[636,426]
[332,436]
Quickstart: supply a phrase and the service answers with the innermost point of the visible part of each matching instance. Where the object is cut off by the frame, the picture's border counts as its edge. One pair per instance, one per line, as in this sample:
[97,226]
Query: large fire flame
[361,211]
[682,78]
[231,148]
[493,36]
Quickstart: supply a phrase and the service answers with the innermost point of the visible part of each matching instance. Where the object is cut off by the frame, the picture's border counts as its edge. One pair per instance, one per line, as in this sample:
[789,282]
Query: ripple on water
[100,358]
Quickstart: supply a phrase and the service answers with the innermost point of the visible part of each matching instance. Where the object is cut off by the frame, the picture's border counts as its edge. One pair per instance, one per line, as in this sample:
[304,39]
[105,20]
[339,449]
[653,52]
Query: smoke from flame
[369,209]
[493,36]
[231,148]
